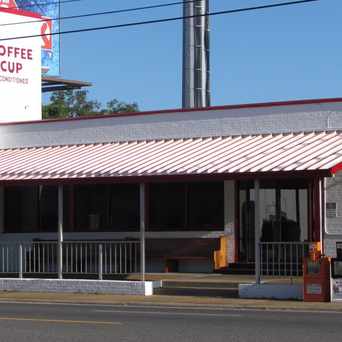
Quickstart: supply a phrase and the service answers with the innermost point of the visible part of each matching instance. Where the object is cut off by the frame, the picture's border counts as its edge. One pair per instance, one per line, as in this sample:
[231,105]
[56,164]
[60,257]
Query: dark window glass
[107,207]
[124,207]
[21,209]
[205,205]
[167,206]
[186,206]
[90,207]
[48,208]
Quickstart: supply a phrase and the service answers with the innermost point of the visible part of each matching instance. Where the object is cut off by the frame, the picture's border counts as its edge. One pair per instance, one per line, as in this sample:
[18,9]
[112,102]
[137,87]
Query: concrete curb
[170,301]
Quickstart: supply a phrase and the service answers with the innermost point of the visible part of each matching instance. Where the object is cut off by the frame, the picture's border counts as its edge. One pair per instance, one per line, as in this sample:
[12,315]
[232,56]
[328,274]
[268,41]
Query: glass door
[284,216]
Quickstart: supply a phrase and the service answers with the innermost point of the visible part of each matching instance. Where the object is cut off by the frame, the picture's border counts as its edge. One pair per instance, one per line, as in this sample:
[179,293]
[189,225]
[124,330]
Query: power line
[164,20]
[124,10]
[30,4]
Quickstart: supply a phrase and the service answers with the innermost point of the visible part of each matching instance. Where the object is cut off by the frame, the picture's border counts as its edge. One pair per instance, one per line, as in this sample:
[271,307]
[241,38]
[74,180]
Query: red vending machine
[316,274]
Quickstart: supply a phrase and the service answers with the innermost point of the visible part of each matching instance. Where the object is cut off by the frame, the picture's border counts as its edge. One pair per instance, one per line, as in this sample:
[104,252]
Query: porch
[193,226]
[229,193]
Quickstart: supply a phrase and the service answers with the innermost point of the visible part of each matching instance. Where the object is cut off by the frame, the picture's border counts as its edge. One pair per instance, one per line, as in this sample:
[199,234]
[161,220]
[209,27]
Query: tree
[75,103]
[115,106]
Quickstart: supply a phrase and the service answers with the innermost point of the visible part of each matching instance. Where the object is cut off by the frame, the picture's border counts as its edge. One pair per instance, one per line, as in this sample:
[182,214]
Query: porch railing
[282,258]
[79,258]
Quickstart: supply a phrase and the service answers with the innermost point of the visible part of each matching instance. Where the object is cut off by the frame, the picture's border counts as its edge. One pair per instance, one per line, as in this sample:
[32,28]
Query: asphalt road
[53,322]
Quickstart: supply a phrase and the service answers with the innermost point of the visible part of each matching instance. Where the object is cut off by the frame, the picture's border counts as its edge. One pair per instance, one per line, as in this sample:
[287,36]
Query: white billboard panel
[20,69]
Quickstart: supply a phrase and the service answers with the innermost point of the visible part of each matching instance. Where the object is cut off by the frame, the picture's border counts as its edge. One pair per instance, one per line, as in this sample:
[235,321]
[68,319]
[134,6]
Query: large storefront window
[284,214]
[205,206]
[167,206]
[106,207]
[115,207]
[186,206]
[31,209]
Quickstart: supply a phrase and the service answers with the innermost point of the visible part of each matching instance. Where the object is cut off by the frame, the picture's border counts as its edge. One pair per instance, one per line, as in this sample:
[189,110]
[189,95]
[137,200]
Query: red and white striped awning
[231,155]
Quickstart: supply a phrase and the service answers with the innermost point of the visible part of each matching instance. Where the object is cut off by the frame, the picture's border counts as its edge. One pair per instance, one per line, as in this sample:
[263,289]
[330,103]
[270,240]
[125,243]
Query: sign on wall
[20,69]
[46,13]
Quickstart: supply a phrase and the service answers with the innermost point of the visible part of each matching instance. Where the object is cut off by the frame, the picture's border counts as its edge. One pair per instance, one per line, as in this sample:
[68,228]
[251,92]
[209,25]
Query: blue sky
[277,54]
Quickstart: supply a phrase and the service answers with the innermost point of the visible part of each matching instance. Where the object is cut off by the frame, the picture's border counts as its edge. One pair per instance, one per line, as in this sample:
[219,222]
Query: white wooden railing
[85,258]
[282,258]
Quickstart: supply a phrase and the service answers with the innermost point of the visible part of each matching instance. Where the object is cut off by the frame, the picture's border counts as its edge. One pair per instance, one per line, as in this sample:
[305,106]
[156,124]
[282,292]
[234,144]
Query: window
[31,209]
[284,214]
[102,207]
[205,206]
[167,206]
[124,207]
[186,206]
[48,208]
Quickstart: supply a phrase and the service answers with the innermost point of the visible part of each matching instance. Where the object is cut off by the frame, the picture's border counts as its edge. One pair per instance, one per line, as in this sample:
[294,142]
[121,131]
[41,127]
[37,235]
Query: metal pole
[20,251]
[188,57]
[100,261]
[257,229]
[60,232]
[207,57]
[142,231]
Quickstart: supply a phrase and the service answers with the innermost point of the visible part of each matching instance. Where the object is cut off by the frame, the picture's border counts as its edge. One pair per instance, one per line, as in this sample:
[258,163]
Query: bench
[173,251]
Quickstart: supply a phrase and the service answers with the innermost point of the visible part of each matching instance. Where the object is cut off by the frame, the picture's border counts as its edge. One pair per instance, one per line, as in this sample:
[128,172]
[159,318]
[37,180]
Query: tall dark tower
[196,62]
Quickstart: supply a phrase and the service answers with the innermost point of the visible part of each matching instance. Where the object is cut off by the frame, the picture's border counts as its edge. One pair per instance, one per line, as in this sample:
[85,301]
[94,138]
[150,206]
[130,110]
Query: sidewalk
[220,283]
[213,278]
[158,301]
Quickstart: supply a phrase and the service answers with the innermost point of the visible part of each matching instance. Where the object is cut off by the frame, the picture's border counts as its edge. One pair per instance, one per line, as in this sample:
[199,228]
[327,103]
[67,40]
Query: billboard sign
[20,68]
[47,14]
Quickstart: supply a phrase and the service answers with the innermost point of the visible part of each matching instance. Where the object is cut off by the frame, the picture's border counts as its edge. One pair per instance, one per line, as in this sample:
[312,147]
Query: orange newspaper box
[316,276]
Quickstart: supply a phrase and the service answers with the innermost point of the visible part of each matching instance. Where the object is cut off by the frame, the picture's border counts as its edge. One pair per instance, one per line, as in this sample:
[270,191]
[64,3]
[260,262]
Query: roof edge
[187,110]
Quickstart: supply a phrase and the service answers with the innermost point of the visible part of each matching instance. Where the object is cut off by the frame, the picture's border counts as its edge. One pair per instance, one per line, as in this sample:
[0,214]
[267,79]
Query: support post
[20,252]
[257,229]
[100,261]
[229,220]
[142,230]
[60,232]
[2,209]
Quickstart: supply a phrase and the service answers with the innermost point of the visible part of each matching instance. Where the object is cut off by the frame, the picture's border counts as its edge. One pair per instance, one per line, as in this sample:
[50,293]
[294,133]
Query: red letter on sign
[46,34]
[19,67]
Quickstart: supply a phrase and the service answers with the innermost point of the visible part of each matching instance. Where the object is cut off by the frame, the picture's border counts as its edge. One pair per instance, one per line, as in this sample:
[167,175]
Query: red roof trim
[172,178]
[21,12]
[336,168]
[174,111]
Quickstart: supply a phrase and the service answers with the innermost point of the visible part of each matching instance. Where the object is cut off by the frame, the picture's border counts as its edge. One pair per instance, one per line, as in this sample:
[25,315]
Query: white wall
[333,226]
[174,125]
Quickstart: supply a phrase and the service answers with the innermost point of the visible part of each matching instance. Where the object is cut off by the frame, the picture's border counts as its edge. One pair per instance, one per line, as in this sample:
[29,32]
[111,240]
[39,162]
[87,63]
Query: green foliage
[75,103]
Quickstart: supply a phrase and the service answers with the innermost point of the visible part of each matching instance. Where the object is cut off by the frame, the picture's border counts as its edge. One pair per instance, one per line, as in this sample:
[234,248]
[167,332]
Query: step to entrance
[238,269]
[198,289]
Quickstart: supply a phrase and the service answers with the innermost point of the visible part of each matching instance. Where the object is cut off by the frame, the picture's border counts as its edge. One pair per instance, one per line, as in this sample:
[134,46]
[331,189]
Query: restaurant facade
[198,190]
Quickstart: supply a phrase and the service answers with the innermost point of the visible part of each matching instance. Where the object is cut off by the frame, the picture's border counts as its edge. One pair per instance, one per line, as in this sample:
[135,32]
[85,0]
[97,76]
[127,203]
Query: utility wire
[164,20]
[124,10]
[30,4]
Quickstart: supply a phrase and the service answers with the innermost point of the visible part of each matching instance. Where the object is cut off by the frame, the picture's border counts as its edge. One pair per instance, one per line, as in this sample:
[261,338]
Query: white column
[229,219]
[321,211]
[60,232]
[257,229]
[2,209]
[142,230]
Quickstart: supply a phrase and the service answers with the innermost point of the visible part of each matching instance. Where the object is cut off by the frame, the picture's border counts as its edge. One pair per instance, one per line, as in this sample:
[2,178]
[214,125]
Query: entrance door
[284,216]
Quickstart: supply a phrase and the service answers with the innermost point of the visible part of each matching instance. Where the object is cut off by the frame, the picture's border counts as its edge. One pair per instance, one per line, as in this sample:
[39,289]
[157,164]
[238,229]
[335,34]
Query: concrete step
[198,289]
[198,292]
[200,284]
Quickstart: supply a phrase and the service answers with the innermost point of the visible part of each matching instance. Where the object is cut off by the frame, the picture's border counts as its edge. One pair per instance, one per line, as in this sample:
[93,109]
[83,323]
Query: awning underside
[295,152]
